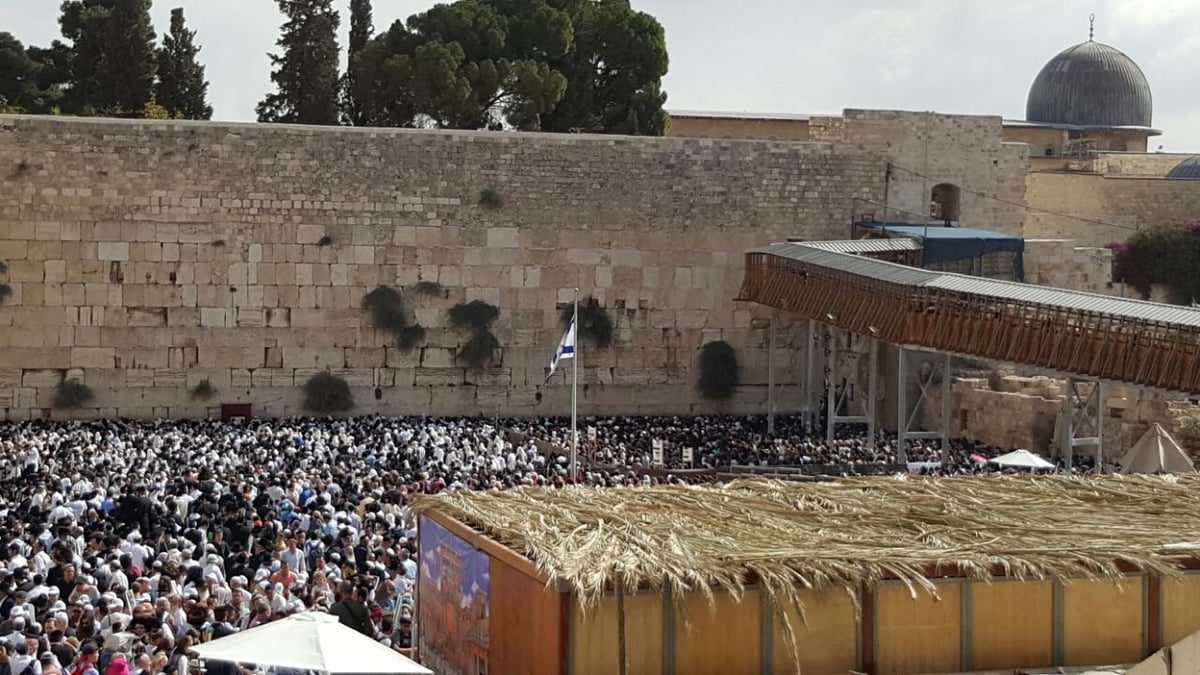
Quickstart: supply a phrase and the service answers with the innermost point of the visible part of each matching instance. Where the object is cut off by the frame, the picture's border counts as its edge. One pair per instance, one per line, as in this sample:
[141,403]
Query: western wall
[145,257]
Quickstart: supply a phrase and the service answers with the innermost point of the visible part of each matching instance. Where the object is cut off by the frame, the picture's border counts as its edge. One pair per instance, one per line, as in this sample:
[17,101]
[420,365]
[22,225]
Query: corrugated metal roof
[855,264]
[937,231]
[1008,290]
[1079,300]
[865,245]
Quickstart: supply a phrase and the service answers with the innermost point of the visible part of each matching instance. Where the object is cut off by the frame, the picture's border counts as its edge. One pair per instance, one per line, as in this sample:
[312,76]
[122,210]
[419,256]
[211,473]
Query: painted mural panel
[452,603]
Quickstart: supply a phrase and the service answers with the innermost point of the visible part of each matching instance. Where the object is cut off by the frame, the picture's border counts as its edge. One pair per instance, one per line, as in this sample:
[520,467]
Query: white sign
[658,452]
[592,434]
[687,456]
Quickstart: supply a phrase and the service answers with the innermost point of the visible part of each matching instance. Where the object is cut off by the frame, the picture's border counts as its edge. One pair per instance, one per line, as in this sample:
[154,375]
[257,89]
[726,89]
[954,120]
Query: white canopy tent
[1156,452]
[1022,459]
[310,641]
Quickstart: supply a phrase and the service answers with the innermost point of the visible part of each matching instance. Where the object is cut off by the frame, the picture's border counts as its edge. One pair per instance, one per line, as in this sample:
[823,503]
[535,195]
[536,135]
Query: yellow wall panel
[724,642]
[1103,622]
[826,644]
[1180,608]
[921,634]
[597,645]
[1012,625]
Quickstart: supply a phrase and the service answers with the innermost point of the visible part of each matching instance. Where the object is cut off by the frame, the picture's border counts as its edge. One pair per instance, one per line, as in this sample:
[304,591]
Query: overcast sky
[789,56]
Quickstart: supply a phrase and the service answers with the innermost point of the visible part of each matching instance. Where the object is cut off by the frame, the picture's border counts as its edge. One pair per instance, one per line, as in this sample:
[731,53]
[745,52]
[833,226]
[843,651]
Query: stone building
[1088,130]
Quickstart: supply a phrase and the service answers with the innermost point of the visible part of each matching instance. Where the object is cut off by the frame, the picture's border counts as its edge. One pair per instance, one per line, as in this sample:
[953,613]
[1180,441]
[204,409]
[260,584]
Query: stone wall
[1062,264]
[1152,165]
[1027,412]
[145,257]
[928,148]
[750,128]
[1100,209]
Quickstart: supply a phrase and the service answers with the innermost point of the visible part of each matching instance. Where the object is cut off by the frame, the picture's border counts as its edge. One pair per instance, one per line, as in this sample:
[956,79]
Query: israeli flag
[566,349]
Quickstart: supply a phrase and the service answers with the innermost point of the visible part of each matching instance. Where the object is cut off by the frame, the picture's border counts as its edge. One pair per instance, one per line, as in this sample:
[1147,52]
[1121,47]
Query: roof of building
[787,536]
[1188,169]
[938,230]
[866,245]
[715,114]
[944,244]
[1091,85]
[1188,317]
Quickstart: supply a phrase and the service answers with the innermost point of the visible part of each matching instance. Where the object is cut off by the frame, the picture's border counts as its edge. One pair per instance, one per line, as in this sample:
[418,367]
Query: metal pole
[622,666]
[831,401]
[901,403]
[771,376]
[872,394]
[1069,450]
[809,372]
[575,390]
[1099,427]
[946,410]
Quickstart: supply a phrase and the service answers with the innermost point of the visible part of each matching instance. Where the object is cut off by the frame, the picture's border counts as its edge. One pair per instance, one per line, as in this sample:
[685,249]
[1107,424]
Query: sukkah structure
[1044,551]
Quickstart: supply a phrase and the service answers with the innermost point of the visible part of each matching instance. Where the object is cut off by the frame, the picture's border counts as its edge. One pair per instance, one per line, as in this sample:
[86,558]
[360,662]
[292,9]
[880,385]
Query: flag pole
[575,389]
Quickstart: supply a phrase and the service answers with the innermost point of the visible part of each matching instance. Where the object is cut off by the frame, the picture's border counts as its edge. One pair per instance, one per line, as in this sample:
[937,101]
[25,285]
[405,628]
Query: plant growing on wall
[430,289]
[719,371]
[5,289]
[386,307]
[1167,255]
[203,390]
[325,394]
[489,198]
[595,323]
[476,317]
[71,394]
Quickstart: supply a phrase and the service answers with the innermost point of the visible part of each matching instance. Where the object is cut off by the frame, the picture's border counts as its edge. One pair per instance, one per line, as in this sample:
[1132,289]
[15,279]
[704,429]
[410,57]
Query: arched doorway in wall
[944,202]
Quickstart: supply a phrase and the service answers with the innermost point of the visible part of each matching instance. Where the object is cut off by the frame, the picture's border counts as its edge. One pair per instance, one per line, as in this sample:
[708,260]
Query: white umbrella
[310,641]
[1023,459]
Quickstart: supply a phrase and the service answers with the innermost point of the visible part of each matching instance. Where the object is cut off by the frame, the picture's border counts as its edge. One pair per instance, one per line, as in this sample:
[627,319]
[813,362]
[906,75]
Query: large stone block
[295,357]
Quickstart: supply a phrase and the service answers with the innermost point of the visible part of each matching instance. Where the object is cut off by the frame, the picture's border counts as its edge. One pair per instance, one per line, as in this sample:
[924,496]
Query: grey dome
[1188,169]
[1091,85]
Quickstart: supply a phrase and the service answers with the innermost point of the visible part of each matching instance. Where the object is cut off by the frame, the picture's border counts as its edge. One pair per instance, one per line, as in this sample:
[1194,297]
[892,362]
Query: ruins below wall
[1025,412]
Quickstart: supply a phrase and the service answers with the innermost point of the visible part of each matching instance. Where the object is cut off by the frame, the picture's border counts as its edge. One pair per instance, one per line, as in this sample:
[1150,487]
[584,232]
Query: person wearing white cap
[213,567]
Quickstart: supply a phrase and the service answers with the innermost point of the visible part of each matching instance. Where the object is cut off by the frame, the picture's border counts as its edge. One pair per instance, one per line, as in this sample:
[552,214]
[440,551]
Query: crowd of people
[127,543]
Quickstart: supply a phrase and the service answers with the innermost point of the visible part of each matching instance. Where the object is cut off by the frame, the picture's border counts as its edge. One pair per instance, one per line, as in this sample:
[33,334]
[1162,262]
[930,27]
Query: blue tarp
[945,244]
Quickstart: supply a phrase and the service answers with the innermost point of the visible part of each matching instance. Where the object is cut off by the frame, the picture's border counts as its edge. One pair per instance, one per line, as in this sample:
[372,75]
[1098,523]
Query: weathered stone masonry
[145,257]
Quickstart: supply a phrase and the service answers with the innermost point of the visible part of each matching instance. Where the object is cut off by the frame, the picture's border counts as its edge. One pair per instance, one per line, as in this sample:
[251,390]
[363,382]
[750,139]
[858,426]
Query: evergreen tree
[113,59]
[551,65]
[181,89]
[21,88]
[306,75]
[361,30]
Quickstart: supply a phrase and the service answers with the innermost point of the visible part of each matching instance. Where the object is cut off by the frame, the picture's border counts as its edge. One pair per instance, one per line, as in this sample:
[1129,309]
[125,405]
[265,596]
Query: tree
[555,65]
[361,30]
[614,72]
[182,89]
[112,62]
[1164,254]
[467,65]
[306,75]
[21,89]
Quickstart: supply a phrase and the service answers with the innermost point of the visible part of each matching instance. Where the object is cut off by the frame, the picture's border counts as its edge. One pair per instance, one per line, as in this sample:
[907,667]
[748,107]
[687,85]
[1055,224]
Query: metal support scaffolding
[839,387]
[1085,419]
[810,407]
[771,375]
[926,370]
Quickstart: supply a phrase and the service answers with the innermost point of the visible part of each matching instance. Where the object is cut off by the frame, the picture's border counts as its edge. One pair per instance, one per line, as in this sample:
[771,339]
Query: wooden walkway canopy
[1071,332]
